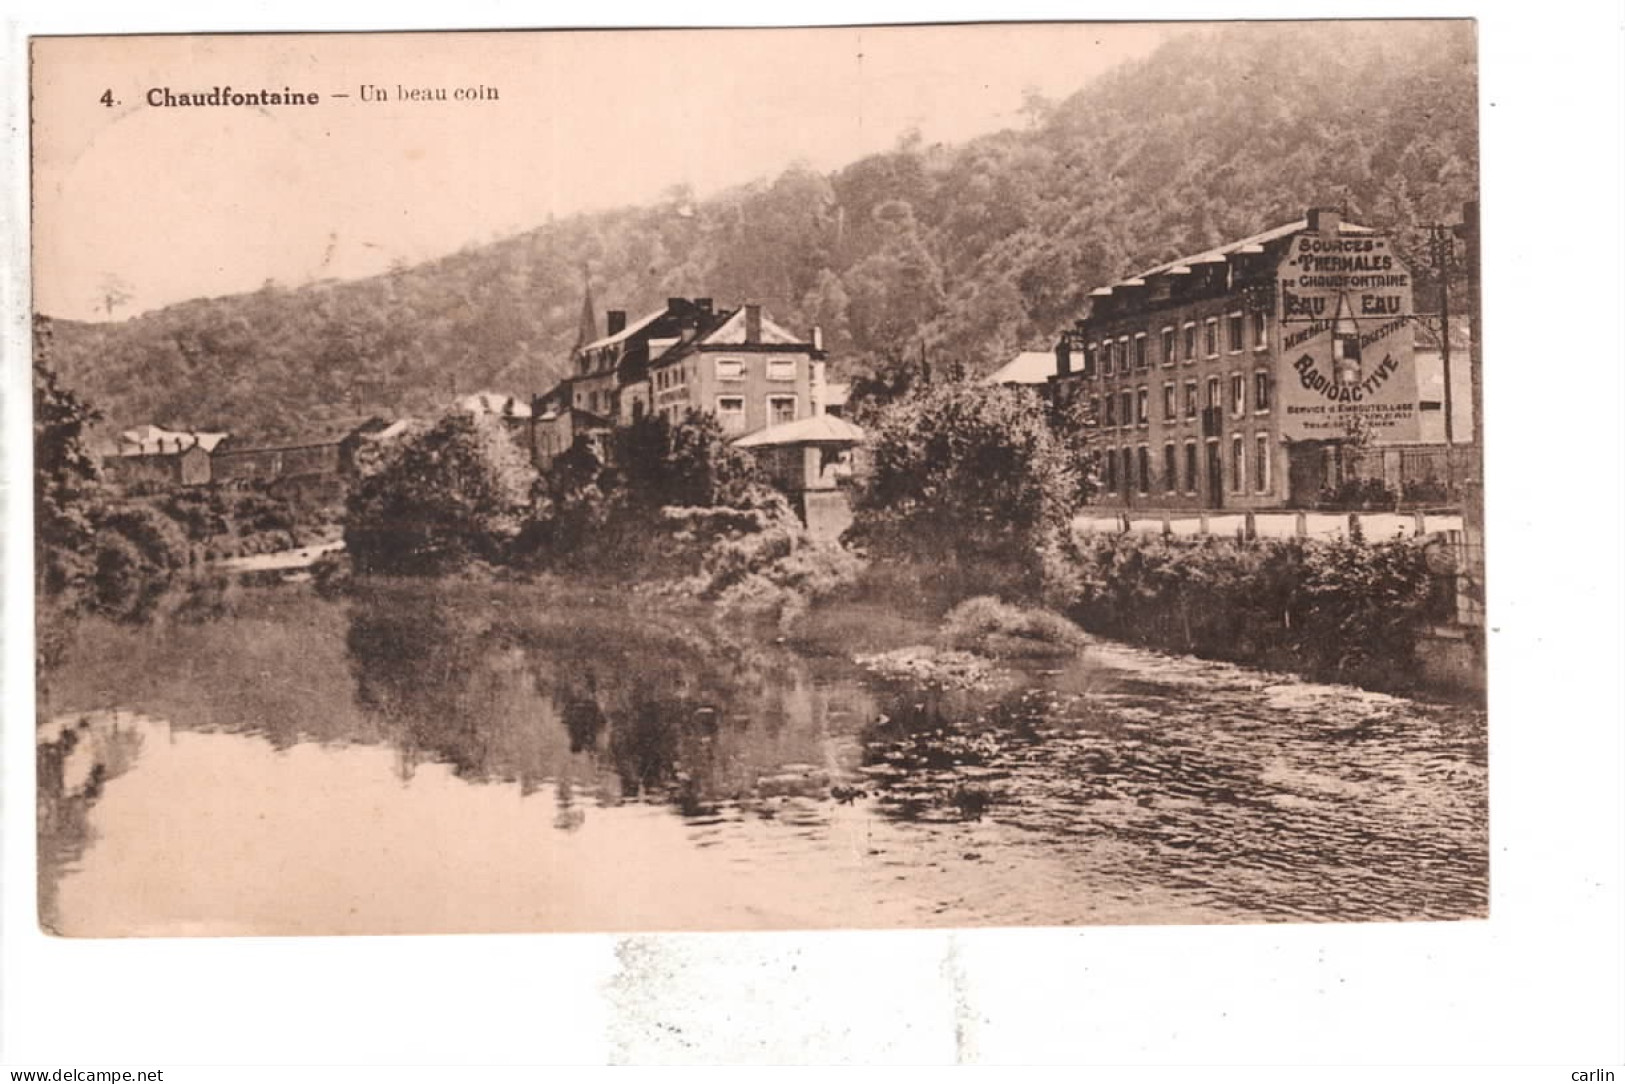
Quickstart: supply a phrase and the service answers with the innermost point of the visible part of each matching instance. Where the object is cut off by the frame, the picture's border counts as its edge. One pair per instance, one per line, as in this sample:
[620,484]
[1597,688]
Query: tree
[897,289]
[455,492]
[67,480]
[968,474]
[114,293]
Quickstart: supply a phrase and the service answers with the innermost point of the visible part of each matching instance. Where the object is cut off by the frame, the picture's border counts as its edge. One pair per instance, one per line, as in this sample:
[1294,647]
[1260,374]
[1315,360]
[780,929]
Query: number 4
[106,98]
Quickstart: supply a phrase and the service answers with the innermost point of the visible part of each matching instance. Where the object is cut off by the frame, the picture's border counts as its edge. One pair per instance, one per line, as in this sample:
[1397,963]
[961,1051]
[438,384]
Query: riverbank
[554,756]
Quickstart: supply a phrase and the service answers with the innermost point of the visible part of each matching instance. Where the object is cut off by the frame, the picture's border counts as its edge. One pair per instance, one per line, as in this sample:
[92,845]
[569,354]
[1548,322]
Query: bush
[986,626]
[456,492]
[330,574]
[159,540]
[785,586]
[967,476]
[124,586]
[1359,495]
[1342,608]
[647,501]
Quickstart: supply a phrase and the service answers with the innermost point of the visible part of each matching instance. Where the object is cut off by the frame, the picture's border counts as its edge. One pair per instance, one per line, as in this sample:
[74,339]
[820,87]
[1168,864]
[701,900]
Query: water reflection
[620,705]
[452,757]
[75,759]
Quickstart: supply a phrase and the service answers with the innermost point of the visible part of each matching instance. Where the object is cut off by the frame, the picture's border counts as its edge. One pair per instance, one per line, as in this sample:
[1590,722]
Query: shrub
[989,627]
[453,493]
[124,585]
[330,574]
[1348,608]
[967,475]
[159,540]
[780,577]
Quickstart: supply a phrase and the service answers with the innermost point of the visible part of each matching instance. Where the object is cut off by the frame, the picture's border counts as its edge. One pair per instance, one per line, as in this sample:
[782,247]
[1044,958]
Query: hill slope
[965,252]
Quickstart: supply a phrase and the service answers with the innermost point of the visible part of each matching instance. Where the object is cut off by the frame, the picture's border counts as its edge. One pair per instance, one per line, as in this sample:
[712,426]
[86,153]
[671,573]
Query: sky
[176,203]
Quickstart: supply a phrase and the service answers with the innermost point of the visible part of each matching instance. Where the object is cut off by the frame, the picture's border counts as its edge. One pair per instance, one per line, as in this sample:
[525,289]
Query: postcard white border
[1537,983]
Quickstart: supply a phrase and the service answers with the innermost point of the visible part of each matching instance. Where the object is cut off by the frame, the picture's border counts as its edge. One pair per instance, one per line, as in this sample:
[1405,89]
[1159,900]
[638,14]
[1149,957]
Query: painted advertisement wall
[1347,340]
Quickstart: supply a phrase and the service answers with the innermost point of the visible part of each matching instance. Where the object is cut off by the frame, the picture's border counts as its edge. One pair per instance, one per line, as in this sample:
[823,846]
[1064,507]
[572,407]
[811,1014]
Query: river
[459,757]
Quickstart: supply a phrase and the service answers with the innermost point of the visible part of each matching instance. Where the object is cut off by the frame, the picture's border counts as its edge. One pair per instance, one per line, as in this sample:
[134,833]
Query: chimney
[617,321]
[1063,356]
[704,305]
[753,323]
[1324,220]
[817,339]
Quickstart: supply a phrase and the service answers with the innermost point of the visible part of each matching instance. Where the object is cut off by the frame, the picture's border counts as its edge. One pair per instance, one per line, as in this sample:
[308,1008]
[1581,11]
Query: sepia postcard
[877,477]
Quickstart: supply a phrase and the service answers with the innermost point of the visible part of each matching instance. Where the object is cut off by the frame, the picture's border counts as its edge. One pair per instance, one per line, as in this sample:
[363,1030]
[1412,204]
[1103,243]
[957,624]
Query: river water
[459,757]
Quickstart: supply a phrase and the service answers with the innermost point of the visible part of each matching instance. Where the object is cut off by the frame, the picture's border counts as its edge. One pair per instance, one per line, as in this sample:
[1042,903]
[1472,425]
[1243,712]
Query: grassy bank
[1346,610]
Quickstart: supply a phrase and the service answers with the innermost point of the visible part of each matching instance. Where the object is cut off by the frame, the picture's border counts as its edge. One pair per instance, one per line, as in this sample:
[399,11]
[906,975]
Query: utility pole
[1468,232]
[1473,509]
[1444,249]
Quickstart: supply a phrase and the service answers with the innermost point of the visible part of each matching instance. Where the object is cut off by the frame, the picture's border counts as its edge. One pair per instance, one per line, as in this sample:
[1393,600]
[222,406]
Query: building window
[1111,471]
[1210,336]
[1261,337]
[1213,392]
[730,369]
[1170,468]
[1190,466]
[781,409]
[1190,398]
[1127,406]
[1141,359]
[1169,402]
[1094,411]
[1106,357]
[1261,464]
[1091,355]
[1169,347]
[1145,469]
[1128,470]
[1111,410]
[731,412]
[1190,342]
[1238,464]
[1235,329]
[781,368]
[1261,391]
[1238,394]
[1142,413]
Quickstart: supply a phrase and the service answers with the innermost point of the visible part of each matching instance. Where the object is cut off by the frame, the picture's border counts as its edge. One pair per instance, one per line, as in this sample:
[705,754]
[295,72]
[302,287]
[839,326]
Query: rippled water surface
[486,758]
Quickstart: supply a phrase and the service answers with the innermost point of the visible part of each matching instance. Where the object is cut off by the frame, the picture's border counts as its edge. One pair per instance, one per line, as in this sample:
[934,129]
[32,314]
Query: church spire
[589,319]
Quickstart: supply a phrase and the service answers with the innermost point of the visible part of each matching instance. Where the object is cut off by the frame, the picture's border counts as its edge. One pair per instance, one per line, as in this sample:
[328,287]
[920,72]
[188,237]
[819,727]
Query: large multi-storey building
[1240,377]
[737,365]
[747,371]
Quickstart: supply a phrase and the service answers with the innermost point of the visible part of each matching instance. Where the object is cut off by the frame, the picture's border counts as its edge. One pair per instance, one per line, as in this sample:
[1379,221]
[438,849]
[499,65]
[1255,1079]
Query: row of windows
[1129,352]
[1135,404]
[1129,469]
[731,410]
[726,369]
[777,368]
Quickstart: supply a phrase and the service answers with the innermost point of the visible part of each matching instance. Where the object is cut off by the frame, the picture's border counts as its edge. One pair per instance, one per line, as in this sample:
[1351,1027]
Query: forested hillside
[960,253]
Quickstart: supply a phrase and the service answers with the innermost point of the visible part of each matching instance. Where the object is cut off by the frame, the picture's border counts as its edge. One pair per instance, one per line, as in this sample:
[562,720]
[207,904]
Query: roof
[145,440]
[491,402]
[1027,367]
[818,429]
[626,332]
[1255,243]
[585,418]
[732,332]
